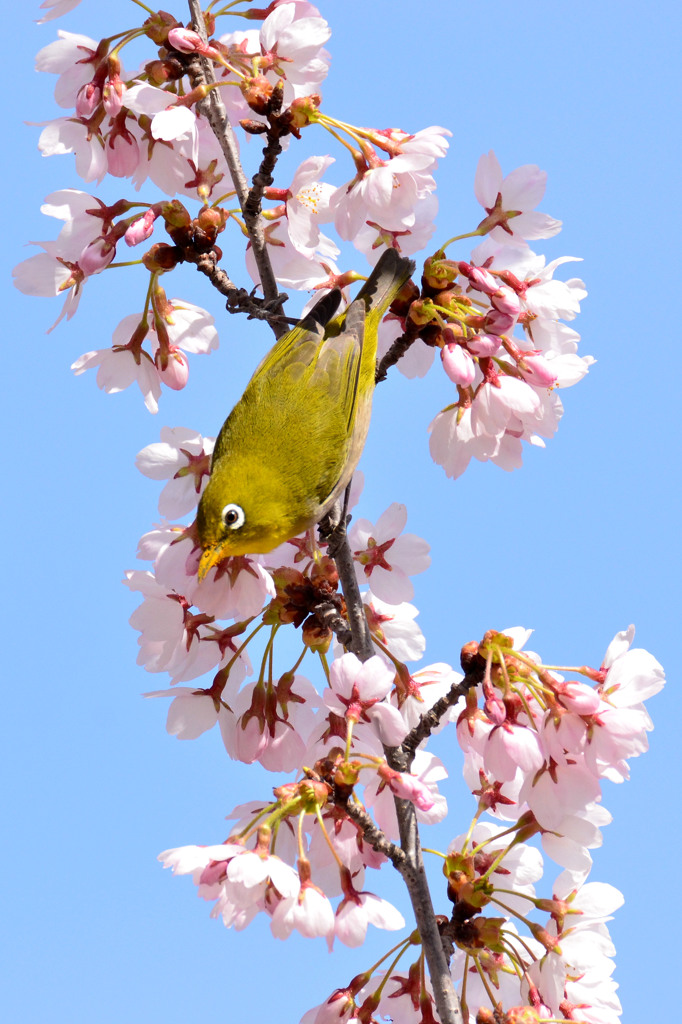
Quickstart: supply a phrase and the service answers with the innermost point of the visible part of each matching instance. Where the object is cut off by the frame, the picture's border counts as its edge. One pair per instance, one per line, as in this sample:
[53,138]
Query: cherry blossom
[510,201]
[360,909]
[306,206]
[191,712]
[185,328]
[310,913]
[183,458]
[420,787]
[384,559]
[389,192]
[118,368]
[69,56]
[271,724]
[356,692]
[394,626]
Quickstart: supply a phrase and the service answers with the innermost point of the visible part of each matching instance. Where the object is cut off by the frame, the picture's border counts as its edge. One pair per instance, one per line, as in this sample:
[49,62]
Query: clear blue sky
[582,541]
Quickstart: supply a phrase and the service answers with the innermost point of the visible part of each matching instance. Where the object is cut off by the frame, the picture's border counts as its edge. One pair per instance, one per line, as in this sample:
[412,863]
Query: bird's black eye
[233,516]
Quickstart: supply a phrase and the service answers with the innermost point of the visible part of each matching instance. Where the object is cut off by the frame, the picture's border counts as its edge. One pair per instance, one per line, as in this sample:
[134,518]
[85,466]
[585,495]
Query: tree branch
[200,71]
[411,865]
[414,876]
[339,549]
[431,718]
[397,350]
[373,835]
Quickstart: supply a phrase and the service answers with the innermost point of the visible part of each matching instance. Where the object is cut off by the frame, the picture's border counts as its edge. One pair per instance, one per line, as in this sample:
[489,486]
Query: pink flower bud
[88,100]
[458,364]
[536,370]
[481,279]
[140,229]
[484,344]
[499,323]
[506,301]
[112,96]
[184,40]
[407,787]
[96,256]
[176,373]
[123,155]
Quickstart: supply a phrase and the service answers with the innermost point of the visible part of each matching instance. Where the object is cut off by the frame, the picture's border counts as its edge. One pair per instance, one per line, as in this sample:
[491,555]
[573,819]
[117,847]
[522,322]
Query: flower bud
[185,40]
[536,370]
[499,323]
[458,364]
[481,279]
[257,93]
[112,95]
[161,71]
[177,369]
[87,100]
[439,273]
[96,256]
[484,345]
[302,110]
[506,301]
[158,26]
[140,229]
[161,257]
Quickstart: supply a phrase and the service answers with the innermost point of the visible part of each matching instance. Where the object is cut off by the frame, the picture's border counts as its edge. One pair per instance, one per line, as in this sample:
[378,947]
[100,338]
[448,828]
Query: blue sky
[579,543]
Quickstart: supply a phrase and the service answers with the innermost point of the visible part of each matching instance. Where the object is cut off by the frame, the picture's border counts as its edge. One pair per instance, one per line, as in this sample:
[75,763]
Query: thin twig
[339,549]
[373,835]
[398,349]
[431,718]
[200,71]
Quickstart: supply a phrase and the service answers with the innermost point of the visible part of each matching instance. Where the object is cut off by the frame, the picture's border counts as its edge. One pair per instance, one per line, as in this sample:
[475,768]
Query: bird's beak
[211,557]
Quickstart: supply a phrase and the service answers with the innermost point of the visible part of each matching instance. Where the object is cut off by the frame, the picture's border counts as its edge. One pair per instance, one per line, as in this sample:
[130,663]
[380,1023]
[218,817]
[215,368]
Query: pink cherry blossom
[118,369]
[292,39]
[183,457]
[67,57]
[271,725]
[518,193]
[307,206]
[310,913]
[68,135]
[631,675]
[357,911]
[384,559]
[420,787]
[357,691]
[173,639]
[389,192]
[394,626]
[191,712]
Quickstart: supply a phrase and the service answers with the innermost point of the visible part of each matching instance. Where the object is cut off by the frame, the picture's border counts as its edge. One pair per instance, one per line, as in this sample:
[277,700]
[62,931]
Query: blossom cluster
[537,747]
[536,744]
[497,319]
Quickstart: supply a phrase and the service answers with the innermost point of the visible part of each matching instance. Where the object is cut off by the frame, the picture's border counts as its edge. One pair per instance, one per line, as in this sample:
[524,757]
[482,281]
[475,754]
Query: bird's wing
[298,346]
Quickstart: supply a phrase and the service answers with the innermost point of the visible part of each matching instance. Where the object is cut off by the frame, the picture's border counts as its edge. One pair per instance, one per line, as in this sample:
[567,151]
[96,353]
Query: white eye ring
[233,517]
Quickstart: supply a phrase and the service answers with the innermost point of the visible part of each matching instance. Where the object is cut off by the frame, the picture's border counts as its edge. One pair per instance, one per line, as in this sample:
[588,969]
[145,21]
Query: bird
[290,446]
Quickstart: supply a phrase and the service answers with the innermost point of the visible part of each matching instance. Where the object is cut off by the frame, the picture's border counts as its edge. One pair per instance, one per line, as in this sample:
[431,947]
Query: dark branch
[339,549]
[200,71]
[431,718]
[397,350]
[373,835]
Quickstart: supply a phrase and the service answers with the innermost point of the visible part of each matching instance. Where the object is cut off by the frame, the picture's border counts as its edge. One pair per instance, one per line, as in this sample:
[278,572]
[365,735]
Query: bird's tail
[383,284]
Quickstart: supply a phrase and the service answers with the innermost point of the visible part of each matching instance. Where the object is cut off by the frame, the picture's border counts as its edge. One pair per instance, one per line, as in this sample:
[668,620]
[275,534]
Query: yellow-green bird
[290,445]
